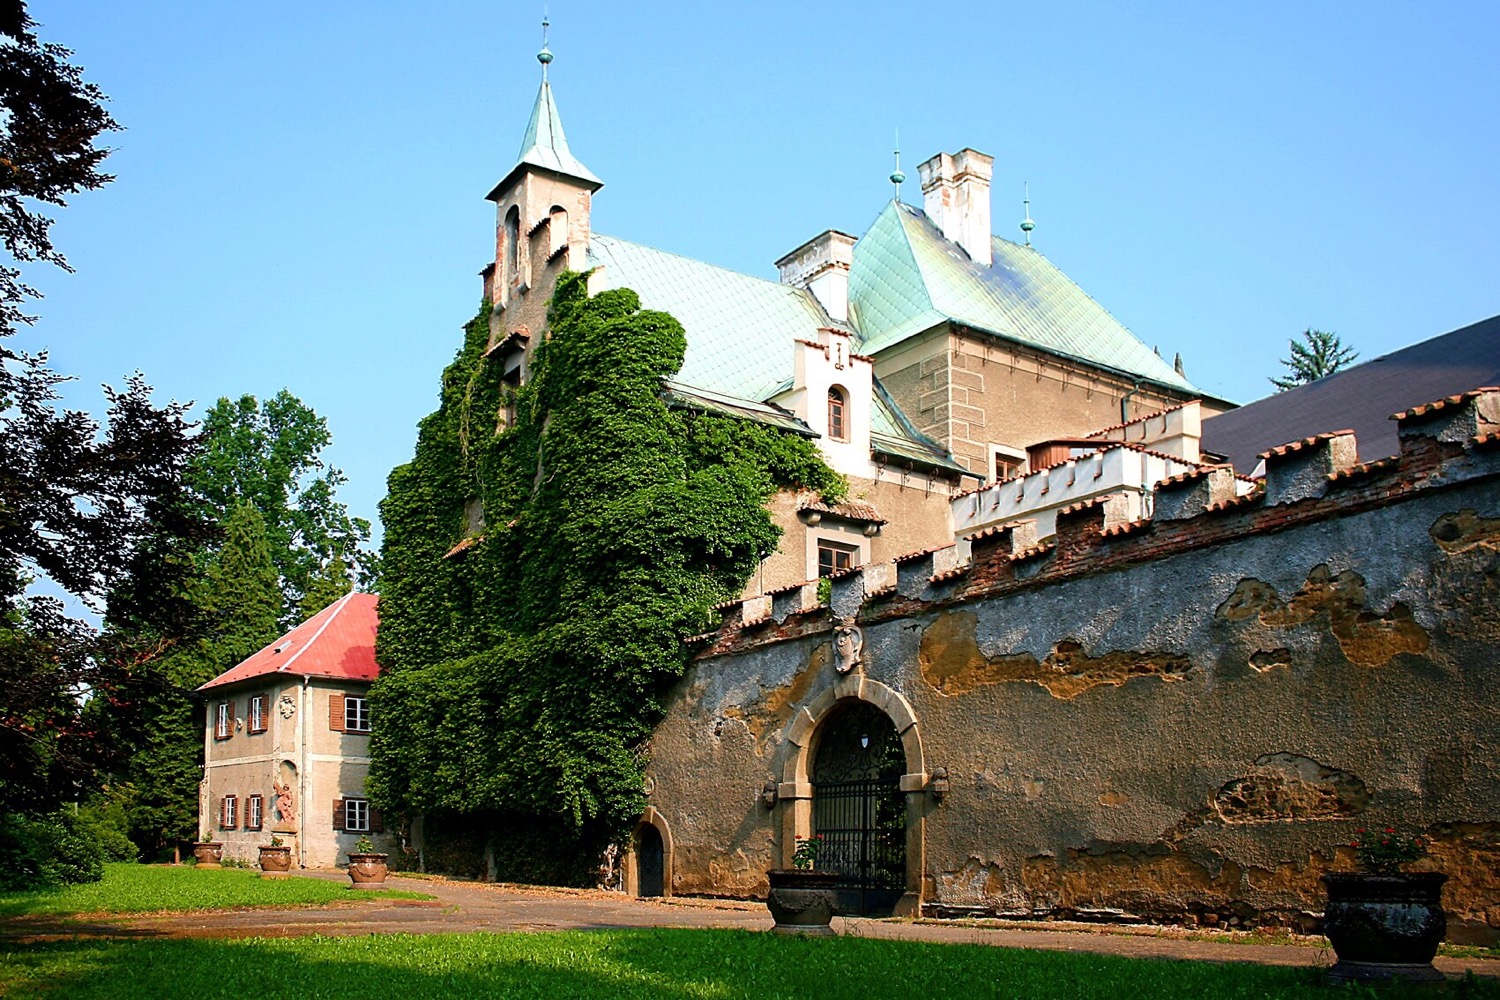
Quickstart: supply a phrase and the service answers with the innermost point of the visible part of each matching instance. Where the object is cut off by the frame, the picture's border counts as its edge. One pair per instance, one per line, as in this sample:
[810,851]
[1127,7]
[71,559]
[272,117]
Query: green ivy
[523,676]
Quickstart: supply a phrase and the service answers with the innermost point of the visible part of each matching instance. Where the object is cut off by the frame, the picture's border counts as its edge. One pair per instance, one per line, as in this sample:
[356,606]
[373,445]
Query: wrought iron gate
[859,810]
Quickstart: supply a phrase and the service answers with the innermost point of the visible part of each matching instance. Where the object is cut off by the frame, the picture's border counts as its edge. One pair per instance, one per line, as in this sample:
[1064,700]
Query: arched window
[558,224]
[838,414]
[512,247]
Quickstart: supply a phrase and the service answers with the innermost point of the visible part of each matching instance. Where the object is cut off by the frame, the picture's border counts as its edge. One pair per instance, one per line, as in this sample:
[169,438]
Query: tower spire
[1026,224]
[545,56]
[896,175]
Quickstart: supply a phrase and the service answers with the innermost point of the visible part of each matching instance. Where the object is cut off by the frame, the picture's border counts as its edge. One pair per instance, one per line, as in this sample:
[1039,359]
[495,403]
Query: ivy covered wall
[522,676]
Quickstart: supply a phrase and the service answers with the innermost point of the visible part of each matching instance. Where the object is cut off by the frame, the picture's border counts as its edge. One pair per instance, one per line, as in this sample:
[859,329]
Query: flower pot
[275,861]
[802,901]
[367,869]
[209,855]
[1385,926]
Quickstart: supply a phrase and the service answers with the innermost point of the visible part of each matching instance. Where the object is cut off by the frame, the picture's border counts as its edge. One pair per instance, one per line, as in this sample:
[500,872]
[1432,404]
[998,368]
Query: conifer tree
[1319,355]
[239,591]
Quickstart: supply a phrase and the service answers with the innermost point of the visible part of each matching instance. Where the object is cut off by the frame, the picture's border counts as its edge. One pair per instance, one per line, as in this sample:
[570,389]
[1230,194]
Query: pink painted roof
[337,642]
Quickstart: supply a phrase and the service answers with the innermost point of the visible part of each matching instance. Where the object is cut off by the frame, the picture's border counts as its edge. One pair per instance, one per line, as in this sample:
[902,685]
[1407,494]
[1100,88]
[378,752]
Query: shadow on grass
[632,963]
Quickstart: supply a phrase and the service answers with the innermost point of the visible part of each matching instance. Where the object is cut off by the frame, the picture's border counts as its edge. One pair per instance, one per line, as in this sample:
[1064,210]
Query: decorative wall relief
[285,806]
[848,647]
[288,706]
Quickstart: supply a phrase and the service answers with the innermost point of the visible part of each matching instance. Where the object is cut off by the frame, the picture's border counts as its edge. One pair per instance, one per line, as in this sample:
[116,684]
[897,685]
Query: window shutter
[231,718]
[376,824]
[338,814]
[336,712]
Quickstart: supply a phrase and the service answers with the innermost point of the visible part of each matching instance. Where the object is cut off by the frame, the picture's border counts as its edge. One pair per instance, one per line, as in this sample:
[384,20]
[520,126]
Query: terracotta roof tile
[1364,469]
[337,642]
[853,510]
[1138,420]
[993,530]
[1293,447]
[1444,403]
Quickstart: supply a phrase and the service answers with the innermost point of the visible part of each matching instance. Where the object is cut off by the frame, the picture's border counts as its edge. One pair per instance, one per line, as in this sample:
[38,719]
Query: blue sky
[300,187]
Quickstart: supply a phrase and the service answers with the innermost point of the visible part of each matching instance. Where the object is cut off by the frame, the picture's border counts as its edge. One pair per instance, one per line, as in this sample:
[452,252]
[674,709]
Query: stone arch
[794,794]
[654,819]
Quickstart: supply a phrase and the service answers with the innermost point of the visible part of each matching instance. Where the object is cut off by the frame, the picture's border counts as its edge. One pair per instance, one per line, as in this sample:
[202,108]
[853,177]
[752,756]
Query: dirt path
[460,907]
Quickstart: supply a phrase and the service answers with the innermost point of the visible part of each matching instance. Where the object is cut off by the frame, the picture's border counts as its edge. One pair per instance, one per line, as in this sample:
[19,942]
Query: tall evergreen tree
[1320,354]
[239,591]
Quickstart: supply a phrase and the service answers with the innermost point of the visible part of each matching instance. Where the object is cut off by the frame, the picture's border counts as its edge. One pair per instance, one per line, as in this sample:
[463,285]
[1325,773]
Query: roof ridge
[797,292]
[338,606]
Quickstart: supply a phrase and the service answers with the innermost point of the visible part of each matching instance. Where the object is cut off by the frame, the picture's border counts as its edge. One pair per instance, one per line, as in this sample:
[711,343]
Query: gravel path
[460,907]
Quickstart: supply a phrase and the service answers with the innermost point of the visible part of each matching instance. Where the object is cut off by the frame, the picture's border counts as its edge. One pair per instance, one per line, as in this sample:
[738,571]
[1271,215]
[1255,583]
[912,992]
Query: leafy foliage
[1318,355]
[268,455]
[50,119]
[522,674]
[1385,852]
[238,592]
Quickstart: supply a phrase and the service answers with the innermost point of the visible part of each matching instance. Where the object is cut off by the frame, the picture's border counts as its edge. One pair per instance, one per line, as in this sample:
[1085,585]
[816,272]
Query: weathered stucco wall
[1184,719]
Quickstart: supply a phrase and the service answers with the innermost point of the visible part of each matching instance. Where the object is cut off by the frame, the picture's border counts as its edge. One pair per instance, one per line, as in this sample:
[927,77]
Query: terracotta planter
[209,855]
[275,862]
[367,869]
[802,902]
[1385,926]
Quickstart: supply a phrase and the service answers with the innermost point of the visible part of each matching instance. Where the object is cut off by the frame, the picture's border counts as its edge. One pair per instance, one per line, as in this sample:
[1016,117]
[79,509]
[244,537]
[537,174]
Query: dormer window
[838,414]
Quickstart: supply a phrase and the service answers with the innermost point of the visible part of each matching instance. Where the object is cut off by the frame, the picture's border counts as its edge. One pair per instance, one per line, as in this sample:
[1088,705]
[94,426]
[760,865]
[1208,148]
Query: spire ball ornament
[897,177]
[545,56]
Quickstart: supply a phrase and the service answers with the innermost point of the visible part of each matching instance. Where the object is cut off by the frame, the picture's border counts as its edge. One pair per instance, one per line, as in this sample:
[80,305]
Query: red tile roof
[337,642]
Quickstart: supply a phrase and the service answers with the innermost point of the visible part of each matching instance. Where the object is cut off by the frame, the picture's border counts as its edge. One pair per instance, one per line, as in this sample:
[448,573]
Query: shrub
[54,850]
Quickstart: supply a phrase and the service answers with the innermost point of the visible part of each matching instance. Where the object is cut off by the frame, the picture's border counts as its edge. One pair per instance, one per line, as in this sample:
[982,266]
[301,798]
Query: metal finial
[545,56]
[896,175]
[1026,224]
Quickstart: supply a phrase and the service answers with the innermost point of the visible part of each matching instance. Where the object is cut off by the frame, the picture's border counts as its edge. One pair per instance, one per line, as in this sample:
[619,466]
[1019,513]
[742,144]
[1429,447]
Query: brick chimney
[956,196]
[821,265]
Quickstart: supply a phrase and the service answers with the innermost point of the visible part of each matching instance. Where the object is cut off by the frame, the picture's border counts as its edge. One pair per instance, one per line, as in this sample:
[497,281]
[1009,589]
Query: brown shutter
[336,712]
[376,824]
[338,814]
[231,717]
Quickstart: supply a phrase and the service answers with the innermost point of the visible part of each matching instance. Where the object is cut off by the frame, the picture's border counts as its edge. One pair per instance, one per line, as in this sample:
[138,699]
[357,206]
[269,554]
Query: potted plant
[802,898]
[366,865]
[208,851]
[275,859]
[1385,923]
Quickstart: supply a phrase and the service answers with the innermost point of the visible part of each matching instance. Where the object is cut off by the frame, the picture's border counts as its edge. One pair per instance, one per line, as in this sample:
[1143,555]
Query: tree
[239,592]
[51,120]
[268,456]
[1318,355]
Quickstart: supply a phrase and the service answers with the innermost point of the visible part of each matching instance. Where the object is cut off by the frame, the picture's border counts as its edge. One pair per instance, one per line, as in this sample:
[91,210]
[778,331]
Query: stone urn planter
[802,901]
[367,869]
[210,854]
[1385,926]
[275,860]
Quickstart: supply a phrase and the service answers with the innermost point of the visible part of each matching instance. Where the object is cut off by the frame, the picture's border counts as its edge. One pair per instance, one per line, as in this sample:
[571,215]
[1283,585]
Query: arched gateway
[858,808]
[855,772]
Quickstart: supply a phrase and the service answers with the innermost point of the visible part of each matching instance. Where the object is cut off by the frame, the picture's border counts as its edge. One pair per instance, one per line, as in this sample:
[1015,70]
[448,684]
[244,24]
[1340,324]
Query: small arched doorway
[858,808]
[650,861]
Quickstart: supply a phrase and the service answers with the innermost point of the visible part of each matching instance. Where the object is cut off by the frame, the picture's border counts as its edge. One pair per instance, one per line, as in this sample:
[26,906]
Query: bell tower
[542,210]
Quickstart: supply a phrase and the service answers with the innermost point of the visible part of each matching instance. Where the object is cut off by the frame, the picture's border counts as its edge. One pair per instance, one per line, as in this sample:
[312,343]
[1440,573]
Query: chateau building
[926,357]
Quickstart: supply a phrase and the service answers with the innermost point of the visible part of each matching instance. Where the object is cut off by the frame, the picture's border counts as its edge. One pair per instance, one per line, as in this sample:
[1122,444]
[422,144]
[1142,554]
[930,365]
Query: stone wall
[1184,719]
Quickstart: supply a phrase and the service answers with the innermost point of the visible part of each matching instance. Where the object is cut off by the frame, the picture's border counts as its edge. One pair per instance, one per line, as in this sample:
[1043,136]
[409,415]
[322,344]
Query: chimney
[821,265]
[956,196]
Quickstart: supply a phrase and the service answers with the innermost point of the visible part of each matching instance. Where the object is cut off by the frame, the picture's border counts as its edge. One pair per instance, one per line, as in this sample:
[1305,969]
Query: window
[258,714]
[834,557]
[512,248]
[227,813]
[224,720]
[838,428]
[1006,463]
[356,714]
[349,713]
[357,815]
[252,812]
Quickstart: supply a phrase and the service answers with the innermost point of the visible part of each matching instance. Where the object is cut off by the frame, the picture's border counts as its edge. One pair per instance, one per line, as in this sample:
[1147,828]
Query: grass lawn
[599,965]
[128,888]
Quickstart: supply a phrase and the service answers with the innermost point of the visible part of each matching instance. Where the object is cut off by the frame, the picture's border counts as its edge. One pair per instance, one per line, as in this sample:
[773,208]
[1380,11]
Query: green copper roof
[907,278]
[739,328]
[545,145]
